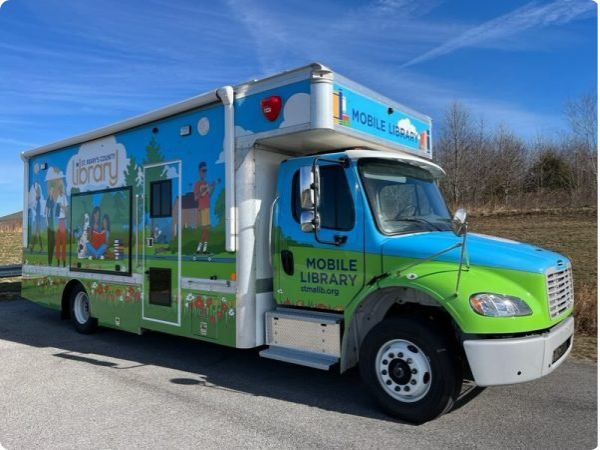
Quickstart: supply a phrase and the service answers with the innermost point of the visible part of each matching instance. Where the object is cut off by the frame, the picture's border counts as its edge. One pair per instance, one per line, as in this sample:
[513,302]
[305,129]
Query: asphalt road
[59,389]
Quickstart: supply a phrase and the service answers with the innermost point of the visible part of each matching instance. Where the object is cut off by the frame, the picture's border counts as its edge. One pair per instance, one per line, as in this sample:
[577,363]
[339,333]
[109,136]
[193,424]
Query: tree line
[492,168]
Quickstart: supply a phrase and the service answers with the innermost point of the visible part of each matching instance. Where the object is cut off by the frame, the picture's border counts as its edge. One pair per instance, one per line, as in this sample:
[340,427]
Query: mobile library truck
[298,213]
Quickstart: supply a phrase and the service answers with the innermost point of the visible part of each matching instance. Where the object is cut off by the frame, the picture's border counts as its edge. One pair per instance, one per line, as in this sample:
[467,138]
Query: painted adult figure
[61,233]
[37,227]
[50,218]
[202,192]
[97,241]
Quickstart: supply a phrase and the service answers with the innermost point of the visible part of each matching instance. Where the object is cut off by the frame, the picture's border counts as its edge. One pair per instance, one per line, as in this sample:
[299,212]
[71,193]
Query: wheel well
[65,308]
[391,302]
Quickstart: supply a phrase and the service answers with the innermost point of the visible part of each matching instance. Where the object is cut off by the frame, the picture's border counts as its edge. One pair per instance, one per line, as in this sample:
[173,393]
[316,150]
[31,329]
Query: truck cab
[364,248]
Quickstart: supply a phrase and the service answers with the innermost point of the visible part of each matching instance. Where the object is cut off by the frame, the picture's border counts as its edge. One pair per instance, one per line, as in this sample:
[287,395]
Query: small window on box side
[160,198]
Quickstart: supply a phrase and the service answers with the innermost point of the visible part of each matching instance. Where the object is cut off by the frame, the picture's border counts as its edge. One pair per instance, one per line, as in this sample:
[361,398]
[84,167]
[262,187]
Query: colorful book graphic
[339,108]
[98,238]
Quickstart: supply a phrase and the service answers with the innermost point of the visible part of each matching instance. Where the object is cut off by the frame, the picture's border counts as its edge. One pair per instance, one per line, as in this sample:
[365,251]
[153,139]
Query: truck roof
[241,90]
[435,170]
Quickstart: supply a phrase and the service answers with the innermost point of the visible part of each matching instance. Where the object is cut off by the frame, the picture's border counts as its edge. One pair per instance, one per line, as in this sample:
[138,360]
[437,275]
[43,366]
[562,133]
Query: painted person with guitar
[202,193]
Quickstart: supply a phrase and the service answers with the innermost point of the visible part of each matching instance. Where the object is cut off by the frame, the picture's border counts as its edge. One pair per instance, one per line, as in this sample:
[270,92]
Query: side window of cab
[336,207]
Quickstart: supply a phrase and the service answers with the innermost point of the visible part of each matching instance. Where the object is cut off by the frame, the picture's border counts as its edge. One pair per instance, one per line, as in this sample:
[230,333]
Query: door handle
[340,239]
[287,262]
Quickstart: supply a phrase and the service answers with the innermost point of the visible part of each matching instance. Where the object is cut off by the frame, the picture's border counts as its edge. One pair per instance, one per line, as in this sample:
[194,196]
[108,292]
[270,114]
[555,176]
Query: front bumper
[515,360]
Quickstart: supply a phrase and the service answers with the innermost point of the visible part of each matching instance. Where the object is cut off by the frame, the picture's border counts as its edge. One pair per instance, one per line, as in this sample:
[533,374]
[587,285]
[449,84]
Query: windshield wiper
[419,220]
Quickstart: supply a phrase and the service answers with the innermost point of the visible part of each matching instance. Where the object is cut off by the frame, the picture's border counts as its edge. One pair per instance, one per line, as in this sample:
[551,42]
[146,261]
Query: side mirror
[459,222]
[307,190]
[308,222]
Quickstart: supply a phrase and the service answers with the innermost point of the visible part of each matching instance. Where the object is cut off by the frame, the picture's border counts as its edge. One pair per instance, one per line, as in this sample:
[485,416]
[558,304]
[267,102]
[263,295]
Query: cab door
[323,269]
[162,243]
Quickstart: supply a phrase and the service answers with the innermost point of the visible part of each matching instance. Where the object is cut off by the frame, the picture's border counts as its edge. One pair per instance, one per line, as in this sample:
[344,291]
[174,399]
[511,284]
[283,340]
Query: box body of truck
[191,220]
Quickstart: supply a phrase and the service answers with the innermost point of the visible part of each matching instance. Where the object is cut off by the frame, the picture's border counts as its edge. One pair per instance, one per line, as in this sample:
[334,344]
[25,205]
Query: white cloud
[406,124]
[54,173]
[241,131]
[99,164]
[521,19]
[296,110]
[169,172]
[221,158]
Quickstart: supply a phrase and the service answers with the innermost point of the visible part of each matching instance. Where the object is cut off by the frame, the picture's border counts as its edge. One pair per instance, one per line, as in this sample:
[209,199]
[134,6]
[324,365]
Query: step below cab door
[322,268]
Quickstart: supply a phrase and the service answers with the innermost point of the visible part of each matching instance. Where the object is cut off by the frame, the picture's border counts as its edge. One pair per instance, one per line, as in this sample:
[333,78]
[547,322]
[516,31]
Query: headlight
[497,305]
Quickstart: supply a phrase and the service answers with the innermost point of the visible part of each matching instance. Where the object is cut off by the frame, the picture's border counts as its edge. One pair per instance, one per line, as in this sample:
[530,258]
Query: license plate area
[560,350]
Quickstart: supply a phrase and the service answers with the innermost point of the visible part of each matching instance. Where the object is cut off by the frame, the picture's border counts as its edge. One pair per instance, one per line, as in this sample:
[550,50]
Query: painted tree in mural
[218,230]
[153,156]
[131,173]
[121,209]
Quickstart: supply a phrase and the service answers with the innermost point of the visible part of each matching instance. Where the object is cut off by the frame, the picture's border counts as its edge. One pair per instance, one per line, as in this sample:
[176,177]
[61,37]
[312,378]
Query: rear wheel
[410,369]
[81,311]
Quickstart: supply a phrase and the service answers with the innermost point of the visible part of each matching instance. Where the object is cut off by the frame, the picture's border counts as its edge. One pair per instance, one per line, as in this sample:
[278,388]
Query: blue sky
[71,66]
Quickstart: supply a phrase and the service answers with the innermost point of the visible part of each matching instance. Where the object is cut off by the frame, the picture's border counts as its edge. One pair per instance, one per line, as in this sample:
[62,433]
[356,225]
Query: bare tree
[581,146]
[452,151]
[509,158]
[486,168]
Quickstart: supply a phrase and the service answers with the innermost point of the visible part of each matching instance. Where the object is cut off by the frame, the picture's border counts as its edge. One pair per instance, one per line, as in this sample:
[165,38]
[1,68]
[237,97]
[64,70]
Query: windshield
[403,198]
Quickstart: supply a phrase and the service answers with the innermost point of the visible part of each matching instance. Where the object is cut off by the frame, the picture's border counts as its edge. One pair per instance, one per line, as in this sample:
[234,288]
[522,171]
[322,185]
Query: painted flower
[223,300]
[209,301]
[189,297]
[224,306]
[219,314]
[232,312]
[211,319]
[199,304]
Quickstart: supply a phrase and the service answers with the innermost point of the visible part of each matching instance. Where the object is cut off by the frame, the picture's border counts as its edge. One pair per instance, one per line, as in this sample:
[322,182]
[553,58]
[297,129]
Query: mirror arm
[462,257]
[345,163]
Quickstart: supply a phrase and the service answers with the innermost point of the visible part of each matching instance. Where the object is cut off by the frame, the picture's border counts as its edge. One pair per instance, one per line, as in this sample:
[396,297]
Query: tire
[80,309]
[412,370]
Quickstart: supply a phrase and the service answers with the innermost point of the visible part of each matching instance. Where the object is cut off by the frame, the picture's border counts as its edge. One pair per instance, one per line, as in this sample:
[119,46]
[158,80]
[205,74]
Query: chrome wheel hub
[403,370]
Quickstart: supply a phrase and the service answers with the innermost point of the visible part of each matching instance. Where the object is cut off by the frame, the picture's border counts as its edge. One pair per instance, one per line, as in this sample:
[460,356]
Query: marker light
[498,305]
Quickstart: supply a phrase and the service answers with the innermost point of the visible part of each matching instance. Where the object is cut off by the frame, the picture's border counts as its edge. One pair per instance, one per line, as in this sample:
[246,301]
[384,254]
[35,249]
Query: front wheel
[81,312]
[410,369]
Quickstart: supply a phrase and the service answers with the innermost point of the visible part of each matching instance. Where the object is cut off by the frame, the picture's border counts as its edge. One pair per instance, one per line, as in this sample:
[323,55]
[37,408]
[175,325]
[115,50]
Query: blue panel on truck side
[367,115]
[295,109]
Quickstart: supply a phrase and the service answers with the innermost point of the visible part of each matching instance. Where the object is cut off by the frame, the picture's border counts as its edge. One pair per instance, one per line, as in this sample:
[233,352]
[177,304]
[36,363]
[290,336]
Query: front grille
[559,285]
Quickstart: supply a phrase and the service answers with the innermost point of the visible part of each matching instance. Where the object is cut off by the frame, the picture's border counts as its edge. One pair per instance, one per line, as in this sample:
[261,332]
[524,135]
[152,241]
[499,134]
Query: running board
[300,357]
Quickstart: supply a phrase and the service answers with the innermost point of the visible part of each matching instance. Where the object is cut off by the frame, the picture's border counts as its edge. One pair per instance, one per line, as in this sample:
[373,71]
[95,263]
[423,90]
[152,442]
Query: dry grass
[586,310]
[585,347]
[572,233]
[11,250]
